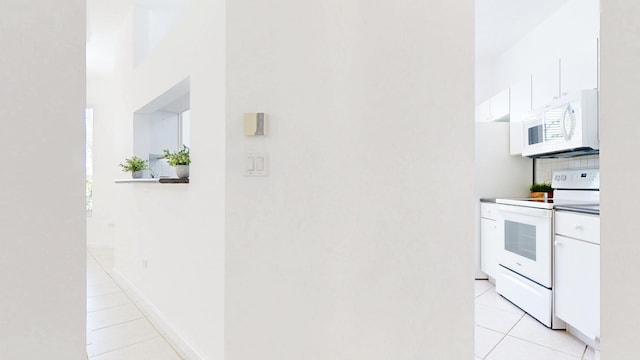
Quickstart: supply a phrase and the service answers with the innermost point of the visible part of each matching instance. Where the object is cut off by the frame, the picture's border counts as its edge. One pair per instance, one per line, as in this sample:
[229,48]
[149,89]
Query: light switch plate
[255,124]
[257,164]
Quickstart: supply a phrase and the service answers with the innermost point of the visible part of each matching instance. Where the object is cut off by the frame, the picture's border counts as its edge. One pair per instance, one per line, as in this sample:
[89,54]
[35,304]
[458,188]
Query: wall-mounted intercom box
[255,124]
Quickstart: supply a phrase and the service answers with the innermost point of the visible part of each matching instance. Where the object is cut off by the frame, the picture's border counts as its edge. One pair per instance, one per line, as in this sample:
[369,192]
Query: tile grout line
[108,307]
[124,322]
[113,292]
[519,338]
[547,346]
[505,335]
[146,317]
[487,289]
[120,323]
[124,347]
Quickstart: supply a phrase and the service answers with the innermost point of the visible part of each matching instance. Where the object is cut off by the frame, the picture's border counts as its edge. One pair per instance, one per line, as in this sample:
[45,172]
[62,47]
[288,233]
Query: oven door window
[520,239]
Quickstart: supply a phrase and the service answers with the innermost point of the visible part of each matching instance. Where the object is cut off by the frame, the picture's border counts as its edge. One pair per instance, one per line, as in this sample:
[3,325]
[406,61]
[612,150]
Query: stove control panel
[583,179]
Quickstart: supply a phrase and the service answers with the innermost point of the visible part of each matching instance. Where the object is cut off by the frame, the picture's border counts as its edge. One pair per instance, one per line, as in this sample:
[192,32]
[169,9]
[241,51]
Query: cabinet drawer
[488,210]
[578,226]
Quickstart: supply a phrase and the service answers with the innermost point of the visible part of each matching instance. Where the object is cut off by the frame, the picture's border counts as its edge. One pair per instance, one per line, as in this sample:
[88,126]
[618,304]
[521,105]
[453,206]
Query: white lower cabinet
[577,276]
[489,246]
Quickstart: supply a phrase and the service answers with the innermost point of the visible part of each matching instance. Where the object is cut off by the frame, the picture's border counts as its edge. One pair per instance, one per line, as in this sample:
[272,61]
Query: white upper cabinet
[545,84]
[494,109]
[576,70]
[579,69]
[520,105]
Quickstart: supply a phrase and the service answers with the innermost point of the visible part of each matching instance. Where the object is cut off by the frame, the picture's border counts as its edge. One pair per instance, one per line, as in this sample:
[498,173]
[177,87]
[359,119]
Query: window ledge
[156,181]
[119,181]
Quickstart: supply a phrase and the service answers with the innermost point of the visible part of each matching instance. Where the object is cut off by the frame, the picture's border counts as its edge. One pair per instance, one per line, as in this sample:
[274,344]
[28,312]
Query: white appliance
[525,229]
[492,157]
[567,127]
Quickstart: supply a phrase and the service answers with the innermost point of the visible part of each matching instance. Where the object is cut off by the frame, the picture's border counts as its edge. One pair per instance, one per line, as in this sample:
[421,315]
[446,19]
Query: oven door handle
[521,210]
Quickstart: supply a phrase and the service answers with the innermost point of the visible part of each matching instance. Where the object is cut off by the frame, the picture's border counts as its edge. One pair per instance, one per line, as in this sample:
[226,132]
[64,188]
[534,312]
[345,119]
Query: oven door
[525,236]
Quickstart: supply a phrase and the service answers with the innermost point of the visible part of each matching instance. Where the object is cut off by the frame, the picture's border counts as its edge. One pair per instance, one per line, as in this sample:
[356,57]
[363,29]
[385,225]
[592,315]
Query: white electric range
[525,230]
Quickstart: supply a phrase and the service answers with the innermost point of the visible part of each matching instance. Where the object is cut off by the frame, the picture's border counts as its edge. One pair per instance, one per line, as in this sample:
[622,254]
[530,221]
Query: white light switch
[257,164]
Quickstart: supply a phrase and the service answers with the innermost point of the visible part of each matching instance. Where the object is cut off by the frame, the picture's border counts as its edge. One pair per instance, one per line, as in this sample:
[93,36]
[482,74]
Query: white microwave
[567,127]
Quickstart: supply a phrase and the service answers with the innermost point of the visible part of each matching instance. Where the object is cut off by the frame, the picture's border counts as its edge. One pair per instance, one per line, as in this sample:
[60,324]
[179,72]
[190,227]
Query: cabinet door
[489,247]
[579,70]
[520,106]
[577,284]
[545,84]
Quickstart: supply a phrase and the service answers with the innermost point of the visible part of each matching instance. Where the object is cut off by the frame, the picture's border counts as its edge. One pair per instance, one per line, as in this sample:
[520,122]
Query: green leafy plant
[134,164]
[180,157]
[541,187]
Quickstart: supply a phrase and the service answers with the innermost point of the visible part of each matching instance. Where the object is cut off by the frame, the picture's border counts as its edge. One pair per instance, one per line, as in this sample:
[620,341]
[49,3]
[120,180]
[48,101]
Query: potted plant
[180,159]
[135,166]
[538,190]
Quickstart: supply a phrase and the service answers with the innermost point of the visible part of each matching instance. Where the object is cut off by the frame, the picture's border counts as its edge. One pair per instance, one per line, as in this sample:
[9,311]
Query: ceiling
[500,23]
[104,19]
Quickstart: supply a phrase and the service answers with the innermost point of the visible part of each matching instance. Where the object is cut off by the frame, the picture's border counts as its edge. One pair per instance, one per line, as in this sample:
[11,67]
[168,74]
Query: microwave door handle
[567,114]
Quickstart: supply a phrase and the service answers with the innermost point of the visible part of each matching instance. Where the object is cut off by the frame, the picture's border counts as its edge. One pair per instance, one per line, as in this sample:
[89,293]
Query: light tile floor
[116,328]
[504,332]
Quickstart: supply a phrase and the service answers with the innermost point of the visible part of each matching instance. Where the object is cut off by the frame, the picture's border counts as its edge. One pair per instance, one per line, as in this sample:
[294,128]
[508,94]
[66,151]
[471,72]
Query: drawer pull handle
[578,227]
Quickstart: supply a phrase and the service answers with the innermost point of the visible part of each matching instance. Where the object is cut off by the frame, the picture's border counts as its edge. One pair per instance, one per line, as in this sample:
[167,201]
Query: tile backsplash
[546,167]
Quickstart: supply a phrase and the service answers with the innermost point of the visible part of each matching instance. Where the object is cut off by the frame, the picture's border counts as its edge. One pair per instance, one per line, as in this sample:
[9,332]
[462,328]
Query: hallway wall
[102,97]
[338,252]
[358,245]
[620,141]
[42,202]
[169,238]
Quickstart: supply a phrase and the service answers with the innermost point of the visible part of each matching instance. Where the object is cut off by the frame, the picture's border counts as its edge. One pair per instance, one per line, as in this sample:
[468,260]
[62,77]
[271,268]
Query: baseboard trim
[164,326]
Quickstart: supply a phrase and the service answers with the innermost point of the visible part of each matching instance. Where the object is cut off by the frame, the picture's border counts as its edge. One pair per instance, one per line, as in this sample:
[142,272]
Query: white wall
[568,30]
[337,253]
[163,132]
[358,245]
[153,21]
[101,97]
[177,229]
[152,133]
[620,140]
[485,77]
[42,216]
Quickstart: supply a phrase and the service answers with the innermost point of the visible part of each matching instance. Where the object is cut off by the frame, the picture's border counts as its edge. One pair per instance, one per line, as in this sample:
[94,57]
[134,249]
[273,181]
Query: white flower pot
[136,175]
[182,171]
